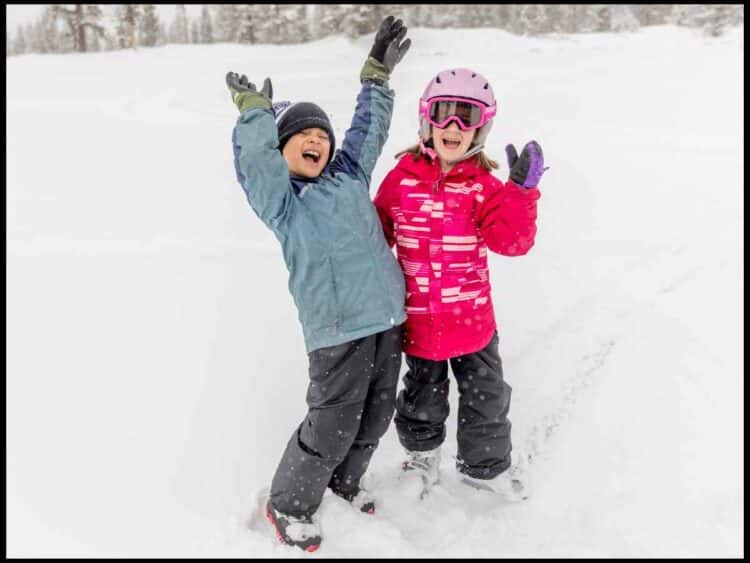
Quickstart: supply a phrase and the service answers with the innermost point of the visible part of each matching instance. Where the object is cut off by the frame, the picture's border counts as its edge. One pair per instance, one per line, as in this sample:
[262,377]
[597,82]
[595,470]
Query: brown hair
[482,159]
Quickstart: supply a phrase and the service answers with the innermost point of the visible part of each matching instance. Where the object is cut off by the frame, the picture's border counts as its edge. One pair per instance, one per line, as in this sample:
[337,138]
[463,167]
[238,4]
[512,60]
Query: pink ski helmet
[458,83]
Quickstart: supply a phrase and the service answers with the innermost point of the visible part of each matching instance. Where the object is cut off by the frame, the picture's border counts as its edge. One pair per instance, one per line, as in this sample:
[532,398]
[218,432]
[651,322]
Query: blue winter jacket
[343,277]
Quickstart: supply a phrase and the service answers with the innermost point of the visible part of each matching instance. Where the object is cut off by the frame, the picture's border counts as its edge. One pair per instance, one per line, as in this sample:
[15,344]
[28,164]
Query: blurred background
[65,28]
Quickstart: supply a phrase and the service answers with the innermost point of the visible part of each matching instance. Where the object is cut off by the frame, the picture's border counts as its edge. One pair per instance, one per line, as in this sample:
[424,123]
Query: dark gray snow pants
[483,432]
[350,400]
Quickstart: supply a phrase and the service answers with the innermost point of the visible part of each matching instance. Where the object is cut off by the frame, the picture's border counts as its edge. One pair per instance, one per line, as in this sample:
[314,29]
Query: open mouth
[311,156]
[451,143]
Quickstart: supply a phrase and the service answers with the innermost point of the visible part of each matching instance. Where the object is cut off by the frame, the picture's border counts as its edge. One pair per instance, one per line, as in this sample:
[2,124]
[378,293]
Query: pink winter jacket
[442,226]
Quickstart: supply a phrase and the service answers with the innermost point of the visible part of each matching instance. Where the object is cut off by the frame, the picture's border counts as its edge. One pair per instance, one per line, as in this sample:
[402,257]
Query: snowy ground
[154,375]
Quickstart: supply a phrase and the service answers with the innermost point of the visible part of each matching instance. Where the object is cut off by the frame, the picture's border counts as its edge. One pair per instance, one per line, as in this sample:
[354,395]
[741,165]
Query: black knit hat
[292,118]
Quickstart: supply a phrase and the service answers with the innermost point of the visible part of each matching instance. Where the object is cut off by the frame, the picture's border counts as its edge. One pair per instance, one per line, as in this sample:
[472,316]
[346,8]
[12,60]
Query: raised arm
[365,138]
[507,215]
[261,169]
[507,218]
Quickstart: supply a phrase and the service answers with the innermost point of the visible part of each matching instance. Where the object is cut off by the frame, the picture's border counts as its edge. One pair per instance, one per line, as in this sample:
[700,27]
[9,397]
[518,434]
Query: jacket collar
[424,168]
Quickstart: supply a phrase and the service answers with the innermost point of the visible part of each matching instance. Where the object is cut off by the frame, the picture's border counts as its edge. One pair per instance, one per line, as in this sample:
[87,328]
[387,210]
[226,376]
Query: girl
[443,209]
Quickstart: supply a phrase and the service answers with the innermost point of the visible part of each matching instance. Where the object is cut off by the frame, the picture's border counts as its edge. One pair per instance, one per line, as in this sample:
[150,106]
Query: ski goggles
[468,114]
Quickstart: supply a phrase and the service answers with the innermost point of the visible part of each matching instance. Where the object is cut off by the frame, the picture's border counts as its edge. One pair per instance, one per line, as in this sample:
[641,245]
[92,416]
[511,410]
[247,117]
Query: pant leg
[483,434]
[339,382]
[422,405]
[377,413]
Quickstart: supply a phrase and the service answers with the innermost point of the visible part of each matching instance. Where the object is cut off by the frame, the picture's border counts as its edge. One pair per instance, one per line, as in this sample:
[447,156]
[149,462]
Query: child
[443,209]
[343,277]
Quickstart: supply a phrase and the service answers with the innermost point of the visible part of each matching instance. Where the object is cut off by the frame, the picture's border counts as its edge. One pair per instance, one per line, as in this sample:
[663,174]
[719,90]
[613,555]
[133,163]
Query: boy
[346,283]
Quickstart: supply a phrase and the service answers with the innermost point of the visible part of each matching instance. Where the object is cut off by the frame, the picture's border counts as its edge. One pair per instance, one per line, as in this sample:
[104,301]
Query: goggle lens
[470,115]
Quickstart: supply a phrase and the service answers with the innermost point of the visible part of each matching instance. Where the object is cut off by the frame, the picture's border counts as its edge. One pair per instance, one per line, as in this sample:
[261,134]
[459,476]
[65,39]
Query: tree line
[67,28]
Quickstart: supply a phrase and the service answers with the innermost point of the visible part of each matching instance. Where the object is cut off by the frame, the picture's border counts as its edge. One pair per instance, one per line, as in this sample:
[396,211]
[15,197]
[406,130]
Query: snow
[156,368]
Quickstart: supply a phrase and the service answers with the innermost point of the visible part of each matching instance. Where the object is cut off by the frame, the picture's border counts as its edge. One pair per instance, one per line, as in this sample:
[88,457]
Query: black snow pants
[350,398]
[483,430]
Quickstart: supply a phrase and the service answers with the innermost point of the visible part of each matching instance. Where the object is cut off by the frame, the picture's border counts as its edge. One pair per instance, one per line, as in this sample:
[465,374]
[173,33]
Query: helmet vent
[437,79]
[453,72]
[486,85]
[473,74]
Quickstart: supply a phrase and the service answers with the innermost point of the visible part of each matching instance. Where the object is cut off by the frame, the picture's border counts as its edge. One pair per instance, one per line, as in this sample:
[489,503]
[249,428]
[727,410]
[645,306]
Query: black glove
[245,95]
[526,170]
[388,48]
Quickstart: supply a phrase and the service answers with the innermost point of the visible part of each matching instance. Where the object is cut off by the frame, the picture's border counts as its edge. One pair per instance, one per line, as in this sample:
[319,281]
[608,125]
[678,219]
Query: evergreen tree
[330,17]
[359,19]
[312,21]
[622,18]
[163,37]
[178,32]
[292,26]
[207,28]
[227,22]
[19,45]
[531,19]
[248,24]
[44,35]
[560,18]
[195,34]
[713,20]
[653,14]
[78,18]
[148,28]
[593,17]
[128,16]
[497,15]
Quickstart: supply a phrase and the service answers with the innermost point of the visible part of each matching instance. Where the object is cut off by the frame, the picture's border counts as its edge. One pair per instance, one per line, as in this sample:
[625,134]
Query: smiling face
[451,143]
[306,153]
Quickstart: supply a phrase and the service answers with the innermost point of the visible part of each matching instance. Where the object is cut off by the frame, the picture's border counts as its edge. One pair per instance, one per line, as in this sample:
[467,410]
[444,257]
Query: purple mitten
[526,170]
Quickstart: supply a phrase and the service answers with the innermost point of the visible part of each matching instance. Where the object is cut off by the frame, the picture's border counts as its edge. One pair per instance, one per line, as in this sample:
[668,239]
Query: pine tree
[292,26]
[622,18]
[148,26]
[163,34]
[531,19]
[312,21]
[19,45]
[44,36]
[79,18]
[207,28]
[195,33]
[247,25]
[178,32]
[358,20]
[226,22]
[713,20]
[330,17]
[594,17]
[128,16]
[653,14]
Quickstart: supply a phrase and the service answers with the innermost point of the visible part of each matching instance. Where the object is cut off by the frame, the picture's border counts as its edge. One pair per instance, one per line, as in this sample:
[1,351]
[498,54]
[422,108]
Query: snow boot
[509,484]
[362,500]
[292,530]
[425,465]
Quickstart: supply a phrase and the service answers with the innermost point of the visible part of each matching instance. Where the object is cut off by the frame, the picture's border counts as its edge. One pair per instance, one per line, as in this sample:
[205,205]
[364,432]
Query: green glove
[246,96]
